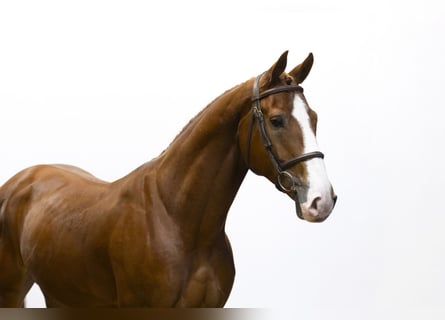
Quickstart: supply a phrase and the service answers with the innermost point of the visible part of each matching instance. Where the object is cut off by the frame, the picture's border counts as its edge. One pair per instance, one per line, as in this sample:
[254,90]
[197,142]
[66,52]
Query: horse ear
[272,75]
[300,72]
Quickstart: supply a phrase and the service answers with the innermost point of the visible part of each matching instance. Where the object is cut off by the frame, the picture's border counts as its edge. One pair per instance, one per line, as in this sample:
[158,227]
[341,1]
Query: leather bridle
[286,181]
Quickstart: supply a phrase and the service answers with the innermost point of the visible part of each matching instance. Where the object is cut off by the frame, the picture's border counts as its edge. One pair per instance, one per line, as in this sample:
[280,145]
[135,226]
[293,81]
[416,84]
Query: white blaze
[319,185]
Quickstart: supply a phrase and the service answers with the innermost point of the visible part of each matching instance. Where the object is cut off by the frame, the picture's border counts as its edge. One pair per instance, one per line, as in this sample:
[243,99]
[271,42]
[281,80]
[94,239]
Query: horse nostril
[314,204]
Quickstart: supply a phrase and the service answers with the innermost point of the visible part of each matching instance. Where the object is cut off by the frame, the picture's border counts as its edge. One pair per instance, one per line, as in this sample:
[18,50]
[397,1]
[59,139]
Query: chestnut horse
[156,237]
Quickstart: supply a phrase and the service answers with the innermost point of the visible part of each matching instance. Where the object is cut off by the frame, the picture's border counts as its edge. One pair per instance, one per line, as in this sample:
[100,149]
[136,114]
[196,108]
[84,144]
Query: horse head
[277,140]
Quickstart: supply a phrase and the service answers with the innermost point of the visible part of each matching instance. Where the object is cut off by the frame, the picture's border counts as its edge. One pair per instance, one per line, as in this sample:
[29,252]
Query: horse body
[147,239]
[154,238]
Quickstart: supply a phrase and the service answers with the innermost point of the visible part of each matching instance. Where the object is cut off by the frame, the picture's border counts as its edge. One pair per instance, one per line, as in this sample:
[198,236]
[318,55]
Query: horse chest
[197,283]
[169,274]
[202,289]
[210,276]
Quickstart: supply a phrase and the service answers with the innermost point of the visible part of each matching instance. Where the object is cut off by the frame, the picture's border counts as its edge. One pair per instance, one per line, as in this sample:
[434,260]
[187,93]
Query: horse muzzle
[310,205]
[317,208]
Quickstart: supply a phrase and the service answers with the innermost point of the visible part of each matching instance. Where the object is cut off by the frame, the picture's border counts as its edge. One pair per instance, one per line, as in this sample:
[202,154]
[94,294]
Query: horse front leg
[14,285]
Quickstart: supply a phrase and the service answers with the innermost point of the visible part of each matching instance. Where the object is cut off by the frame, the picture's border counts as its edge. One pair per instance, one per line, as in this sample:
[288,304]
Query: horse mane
[199,114]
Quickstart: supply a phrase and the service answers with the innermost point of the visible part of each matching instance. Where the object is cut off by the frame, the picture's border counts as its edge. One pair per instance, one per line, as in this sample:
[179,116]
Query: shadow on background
[134,314]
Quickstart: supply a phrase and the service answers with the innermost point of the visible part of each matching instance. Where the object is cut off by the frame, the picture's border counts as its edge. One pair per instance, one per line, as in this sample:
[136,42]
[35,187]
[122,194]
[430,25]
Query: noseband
[286,181]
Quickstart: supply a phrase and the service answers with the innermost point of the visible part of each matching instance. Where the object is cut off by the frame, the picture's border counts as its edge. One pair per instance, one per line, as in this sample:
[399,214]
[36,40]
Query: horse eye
[277,121]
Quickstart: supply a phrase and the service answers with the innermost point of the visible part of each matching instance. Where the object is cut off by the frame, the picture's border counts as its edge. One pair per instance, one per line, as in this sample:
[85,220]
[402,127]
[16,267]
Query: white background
[106,85]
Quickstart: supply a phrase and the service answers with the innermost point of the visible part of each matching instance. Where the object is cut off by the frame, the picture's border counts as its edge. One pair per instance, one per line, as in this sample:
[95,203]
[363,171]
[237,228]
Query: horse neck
[202,170]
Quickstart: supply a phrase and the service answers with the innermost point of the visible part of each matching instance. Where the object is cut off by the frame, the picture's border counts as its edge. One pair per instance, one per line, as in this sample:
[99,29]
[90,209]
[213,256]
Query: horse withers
[156,237]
